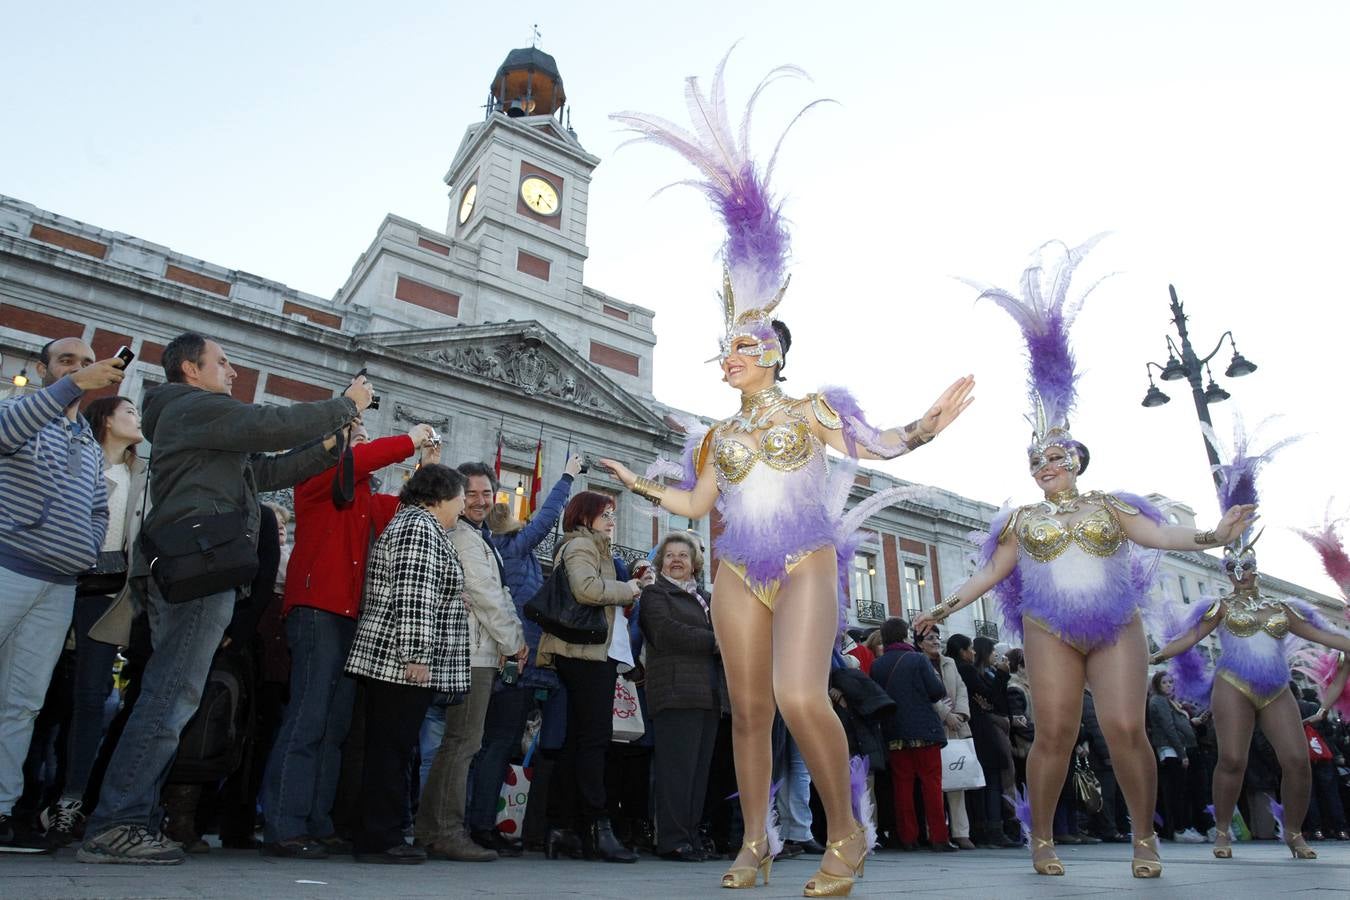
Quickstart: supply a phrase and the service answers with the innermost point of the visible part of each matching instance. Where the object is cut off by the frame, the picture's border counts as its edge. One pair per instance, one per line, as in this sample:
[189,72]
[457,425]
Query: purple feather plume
[1044,315]
[1277,810]
[1022,808]
[1237,477]
[863,808]
[1331,550]
[757,244]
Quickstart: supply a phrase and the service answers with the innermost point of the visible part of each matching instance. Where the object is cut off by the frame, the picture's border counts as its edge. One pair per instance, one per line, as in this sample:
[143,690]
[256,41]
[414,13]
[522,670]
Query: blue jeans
[502,729]
[93,683]
[303,768]
[794,799]
[429,736]
[185,638]
[34,617]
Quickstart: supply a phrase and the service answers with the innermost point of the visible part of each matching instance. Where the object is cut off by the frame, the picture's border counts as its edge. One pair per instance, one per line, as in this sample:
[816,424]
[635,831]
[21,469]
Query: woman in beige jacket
[577,787]
[954,710]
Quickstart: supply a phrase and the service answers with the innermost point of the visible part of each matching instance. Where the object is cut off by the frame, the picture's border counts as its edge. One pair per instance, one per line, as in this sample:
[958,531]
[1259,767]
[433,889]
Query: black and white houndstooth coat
[414,609]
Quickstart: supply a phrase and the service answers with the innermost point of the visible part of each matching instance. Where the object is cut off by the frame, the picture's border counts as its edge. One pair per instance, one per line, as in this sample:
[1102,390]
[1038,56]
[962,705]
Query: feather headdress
[755,253]
[1045,313]
[1237,486]
[1331,549]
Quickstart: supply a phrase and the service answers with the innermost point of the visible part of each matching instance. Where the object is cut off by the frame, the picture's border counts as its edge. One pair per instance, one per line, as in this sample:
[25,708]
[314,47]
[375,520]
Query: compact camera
[374,398]
[125,355]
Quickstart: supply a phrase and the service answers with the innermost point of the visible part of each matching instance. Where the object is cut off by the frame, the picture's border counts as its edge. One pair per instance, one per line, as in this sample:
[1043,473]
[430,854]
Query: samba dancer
[1330,671]
[776,615]
[1251,682]
[1069,580]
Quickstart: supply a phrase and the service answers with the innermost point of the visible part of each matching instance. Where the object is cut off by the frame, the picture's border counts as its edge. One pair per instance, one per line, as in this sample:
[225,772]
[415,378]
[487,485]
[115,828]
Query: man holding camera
[494,632]
[205,468]
[337,518]
[52,524]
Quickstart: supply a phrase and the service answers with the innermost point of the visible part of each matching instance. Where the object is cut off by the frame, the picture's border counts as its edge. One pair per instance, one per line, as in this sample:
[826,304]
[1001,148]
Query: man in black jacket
[917,738]
[202,464]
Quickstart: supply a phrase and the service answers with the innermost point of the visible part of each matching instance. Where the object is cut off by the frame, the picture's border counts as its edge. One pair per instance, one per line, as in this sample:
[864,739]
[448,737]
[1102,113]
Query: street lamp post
[1189,367]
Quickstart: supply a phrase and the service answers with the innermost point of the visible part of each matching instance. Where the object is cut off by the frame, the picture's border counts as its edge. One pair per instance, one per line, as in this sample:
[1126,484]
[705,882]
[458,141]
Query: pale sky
[1210,137]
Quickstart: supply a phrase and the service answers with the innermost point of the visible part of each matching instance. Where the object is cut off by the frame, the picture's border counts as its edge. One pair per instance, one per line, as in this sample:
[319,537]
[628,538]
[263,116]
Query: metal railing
[986,628]
[870,611]
[912,613]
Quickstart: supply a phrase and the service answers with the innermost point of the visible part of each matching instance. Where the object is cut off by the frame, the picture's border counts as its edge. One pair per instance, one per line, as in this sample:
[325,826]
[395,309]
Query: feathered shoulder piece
[1044,312]
[756,249]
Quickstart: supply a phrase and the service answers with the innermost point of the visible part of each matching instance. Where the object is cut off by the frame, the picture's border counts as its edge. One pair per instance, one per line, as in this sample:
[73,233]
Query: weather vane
[534,32]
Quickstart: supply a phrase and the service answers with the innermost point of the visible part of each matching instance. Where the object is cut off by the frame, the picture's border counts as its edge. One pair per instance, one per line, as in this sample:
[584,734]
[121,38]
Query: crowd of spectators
[365,678]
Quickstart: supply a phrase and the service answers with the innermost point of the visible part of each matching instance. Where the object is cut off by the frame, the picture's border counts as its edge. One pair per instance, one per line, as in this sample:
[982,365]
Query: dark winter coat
[908,677]
[684,670]
[864,711]
[988,748]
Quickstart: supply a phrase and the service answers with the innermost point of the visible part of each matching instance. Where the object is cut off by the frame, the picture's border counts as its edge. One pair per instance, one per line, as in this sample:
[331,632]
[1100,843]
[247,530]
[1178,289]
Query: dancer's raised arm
[1191,636]
[1147,533]
[841,425]
[694,504]
[999,567]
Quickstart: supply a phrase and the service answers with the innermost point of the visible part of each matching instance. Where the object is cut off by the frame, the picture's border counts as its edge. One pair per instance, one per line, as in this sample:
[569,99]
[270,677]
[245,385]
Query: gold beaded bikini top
[1045,538]
[1249,612]
[784,447]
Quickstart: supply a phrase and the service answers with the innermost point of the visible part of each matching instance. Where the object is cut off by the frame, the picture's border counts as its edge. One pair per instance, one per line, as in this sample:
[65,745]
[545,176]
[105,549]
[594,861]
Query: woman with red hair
[577,788]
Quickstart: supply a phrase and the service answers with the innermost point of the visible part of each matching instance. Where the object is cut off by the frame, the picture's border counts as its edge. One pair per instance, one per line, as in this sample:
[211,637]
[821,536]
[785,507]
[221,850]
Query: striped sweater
[55,508]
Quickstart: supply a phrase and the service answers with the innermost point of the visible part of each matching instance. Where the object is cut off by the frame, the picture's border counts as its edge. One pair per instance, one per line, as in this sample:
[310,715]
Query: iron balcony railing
[545,549]
[986,628]
[871,611]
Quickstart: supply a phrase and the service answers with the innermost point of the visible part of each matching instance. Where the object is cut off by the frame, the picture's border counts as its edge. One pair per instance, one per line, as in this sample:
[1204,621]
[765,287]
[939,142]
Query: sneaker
[1190,836]
[11,841]
[63,821]
[130,844]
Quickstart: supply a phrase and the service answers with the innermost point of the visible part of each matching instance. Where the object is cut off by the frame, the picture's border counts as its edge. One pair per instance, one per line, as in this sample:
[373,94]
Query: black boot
[562,841]
[643,837]
[600,843]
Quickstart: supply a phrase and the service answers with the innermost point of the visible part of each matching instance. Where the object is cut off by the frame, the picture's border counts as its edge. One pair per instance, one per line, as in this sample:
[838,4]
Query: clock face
[539,196]
[466,204]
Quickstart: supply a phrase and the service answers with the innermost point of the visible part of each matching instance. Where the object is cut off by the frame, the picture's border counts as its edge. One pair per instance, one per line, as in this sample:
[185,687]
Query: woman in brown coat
[577,787]
[684,676]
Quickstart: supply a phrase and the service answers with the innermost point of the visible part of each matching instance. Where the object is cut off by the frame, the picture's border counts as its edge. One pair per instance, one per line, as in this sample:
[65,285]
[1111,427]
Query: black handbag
[106,577]
[201,555]
[1088,786]
[557,612]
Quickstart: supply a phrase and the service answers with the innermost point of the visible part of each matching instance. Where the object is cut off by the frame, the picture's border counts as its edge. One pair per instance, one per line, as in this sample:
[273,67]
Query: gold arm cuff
[1212,611]
[946,607]
[652,490]
[825,414]
[1203,538]
[913,437]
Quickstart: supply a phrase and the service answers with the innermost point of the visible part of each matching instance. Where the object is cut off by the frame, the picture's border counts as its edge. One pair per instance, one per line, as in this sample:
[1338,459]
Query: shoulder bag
[556,611]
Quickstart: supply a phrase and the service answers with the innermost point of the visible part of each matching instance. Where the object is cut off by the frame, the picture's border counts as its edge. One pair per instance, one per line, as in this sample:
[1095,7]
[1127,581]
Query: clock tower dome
[519,183]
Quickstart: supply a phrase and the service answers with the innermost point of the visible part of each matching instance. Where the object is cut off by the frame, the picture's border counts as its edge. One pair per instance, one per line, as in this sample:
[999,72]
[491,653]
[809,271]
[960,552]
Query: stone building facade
[484,329]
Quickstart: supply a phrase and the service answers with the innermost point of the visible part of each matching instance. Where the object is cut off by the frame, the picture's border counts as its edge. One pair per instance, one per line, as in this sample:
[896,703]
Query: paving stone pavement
[1259,870]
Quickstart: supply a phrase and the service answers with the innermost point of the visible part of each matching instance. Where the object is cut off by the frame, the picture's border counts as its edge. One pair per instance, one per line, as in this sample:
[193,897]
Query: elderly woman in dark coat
[684,693]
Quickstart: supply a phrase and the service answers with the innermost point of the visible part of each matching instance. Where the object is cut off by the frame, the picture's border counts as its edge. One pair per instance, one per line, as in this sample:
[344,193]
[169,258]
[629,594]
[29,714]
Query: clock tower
[519,184]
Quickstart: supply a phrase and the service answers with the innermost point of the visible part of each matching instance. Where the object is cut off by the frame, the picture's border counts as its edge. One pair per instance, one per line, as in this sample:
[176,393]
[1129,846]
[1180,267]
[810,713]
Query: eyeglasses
[609,514]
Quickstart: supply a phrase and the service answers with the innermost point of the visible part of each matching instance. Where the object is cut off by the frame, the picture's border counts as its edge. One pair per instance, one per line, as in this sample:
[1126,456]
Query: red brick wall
[895,599]
[933,575]
[532,265]
[197,280]
[614,311]
[151,352]
[914,547]
[318,317]
[246,383]
[74,242]
[433,246]
[426,296]
[38,323]
[604,355]
[280,386]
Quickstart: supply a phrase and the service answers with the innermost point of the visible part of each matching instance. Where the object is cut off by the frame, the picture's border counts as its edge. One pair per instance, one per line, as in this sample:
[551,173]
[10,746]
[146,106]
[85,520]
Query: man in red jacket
[324,583]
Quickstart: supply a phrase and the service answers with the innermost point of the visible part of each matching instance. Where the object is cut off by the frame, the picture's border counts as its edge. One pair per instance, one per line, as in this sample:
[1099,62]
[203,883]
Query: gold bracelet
[1206,537]
[913,437]
[651,490]
[946,608]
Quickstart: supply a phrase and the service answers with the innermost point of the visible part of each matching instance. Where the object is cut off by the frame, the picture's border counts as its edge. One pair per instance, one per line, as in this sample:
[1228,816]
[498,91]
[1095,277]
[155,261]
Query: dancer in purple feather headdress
[1069,577]
[776,613]
[1252,683]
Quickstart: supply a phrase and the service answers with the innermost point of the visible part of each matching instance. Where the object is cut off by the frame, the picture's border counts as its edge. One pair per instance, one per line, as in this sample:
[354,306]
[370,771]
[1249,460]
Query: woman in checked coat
[412,642]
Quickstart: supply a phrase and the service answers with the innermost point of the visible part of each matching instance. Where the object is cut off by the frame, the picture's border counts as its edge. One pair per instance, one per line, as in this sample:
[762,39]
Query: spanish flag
[538,475]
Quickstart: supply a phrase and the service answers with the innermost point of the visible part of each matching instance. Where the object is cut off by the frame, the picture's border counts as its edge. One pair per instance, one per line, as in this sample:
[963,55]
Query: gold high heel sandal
[1146,868]
[745,876]
[1050,866]
[1304,852]
[823,884]
[1225,851]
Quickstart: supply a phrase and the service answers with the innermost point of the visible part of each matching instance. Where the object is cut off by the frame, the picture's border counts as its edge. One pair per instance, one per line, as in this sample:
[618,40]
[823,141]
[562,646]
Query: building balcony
[870,611]
[986,628]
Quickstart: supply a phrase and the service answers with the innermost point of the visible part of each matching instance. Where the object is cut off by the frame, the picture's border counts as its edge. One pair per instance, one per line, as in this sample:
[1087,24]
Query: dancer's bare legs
[805,624]
[1283,726]
[1118,674]
[1057,672]
[1234,719]
[744,629]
